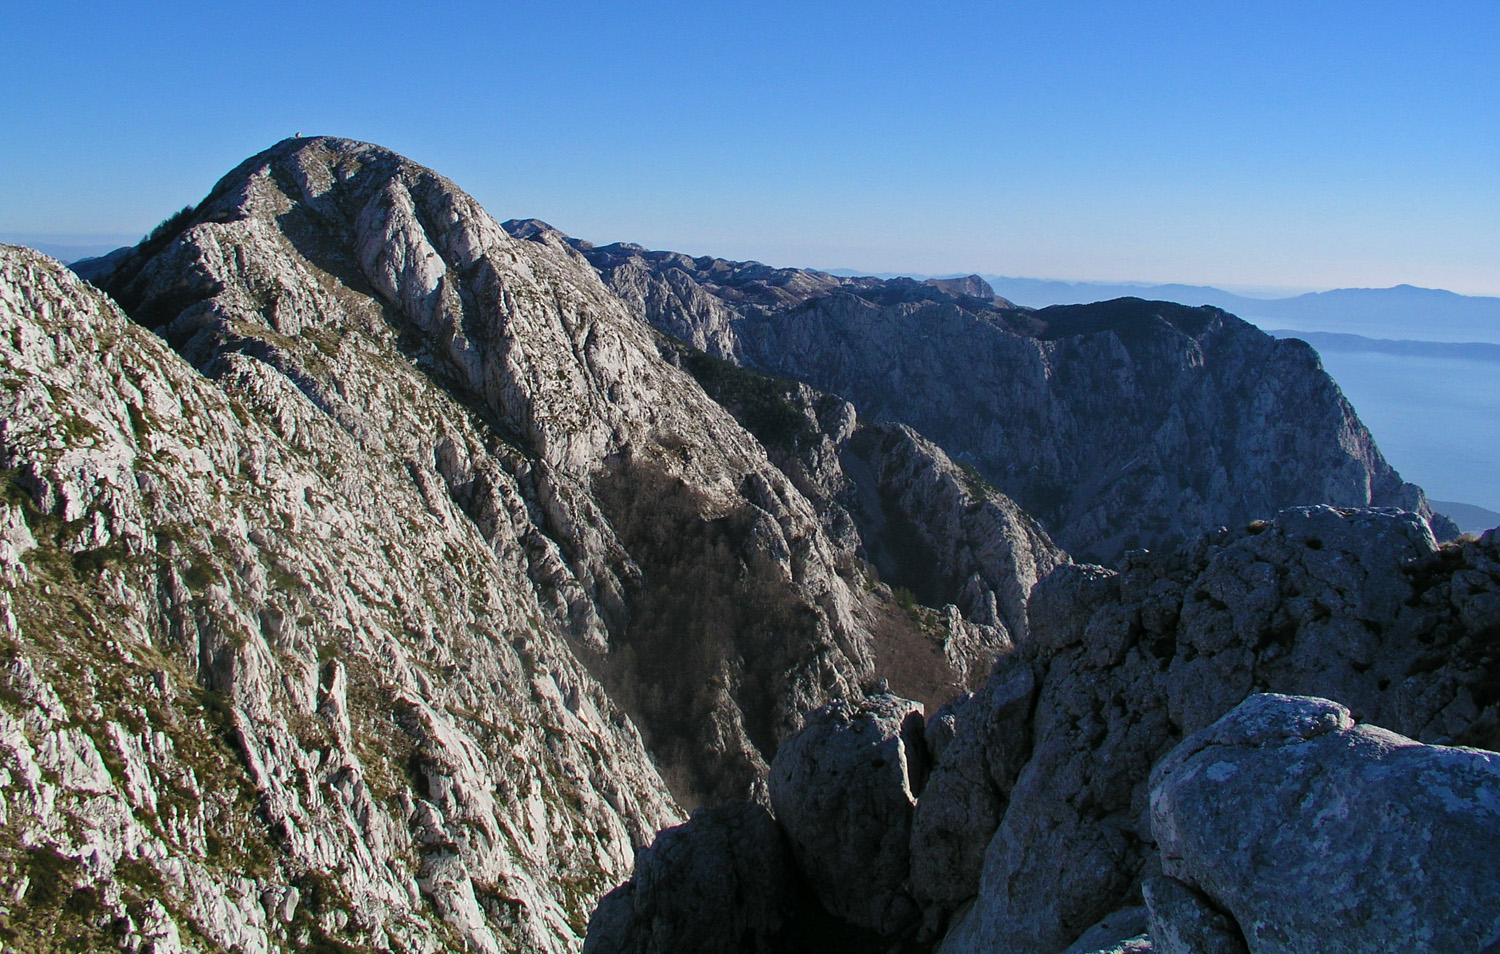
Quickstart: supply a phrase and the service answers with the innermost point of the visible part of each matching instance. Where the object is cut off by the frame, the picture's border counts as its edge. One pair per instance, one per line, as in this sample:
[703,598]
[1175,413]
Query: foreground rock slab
[1319,835]
[844,790]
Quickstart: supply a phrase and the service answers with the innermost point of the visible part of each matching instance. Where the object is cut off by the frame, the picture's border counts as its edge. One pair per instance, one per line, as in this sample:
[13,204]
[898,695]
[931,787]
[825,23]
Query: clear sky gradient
[1296,145]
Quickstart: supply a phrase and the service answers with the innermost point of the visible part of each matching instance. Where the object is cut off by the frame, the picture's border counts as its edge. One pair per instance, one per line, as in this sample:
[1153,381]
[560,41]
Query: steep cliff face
[961,556]
[266,682]
[1119,425]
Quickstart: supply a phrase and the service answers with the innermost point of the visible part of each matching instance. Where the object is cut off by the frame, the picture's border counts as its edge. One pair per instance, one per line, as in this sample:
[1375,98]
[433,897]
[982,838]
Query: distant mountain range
[1403,312]
[1400,312]
[1333,341]
[65,251]
[1470,519]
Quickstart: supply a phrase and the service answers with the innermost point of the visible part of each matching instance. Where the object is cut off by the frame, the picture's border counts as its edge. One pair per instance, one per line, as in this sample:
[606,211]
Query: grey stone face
[1182,921]
[843,789]
[1360,606]
[1319,835]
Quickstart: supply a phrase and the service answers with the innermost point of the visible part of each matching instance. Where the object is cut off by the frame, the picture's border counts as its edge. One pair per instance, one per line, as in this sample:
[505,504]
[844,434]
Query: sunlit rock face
[454,582]
[266,678]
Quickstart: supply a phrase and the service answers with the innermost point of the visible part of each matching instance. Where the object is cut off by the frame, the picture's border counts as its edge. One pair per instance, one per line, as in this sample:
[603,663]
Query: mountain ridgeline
[1119,425]
[377,577]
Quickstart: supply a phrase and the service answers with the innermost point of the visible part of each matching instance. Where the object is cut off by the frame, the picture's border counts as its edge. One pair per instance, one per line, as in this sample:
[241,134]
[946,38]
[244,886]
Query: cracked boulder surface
[1359,606]
[1281,811]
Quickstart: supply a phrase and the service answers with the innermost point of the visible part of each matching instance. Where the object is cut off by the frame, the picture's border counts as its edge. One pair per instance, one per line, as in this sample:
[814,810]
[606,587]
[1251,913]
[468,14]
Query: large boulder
[1360,606]
[1319,836]
[844,789]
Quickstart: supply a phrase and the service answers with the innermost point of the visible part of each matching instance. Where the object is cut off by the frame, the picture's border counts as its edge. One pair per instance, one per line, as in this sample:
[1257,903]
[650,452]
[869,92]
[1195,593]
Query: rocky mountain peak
[376,576]
[969,286]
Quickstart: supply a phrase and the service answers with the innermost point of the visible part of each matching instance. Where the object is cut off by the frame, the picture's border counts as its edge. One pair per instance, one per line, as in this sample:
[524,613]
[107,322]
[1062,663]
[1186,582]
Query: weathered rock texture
[843,789]
[1322,837]
[421,522]
[692,574]
[934,529]
[266,682]
[1359,606]
[1121,424]
[1183,921]
[406,579]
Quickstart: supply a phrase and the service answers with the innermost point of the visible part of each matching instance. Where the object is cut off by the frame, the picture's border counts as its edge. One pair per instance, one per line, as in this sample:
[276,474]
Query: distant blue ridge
[1334,341]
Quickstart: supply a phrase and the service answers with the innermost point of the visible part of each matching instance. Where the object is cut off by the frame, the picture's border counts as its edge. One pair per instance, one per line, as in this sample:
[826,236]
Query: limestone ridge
[405,525]
[332,263]
[265,682]
[1119,425]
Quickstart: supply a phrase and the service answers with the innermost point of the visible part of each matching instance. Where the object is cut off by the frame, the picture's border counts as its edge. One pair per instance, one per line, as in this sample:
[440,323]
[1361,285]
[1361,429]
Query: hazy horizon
[109,242]
[1326,145]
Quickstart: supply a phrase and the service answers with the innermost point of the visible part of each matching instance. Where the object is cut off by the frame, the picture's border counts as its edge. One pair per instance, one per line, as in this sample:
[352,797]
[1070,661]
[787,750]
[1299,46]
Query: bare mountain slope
[1121,424]
[265,682]
[349,587]
[686,568]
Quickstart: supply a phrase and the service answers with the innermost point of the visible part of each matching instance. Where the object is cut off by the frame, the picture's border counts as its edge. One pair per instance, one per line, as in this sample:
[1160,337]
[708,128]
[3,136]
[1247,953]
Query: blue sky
[1296,145]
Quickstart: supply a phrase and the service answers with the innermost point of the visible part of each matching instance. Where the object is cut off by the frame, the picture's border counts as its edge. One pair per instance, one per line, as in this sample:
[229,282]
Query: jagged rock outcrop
[843,789]
[936,530]
[720,884]
[1361,606]
[1034,829]
[423,495]
[949,536]
[266,683]
[695,579]
[970,286]
[386,596]
[1319,835]
[1119,425]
